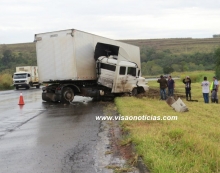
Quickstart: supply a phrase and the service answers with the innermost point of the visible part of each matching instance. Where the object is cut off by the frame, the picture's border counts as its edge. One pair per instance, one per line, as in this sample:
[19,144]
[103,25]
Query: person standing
[163,86]
[205,90]
[187,82]
[171,86]
[214,90]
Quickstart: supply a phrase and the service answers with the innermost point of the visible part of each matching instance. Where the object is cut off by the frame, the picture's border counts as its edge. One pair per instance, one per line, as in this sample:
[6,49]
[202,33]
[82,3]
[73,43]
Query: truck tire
[17,88]
[96,99]
[107,99]
[134,92]
[140,90]
[37,86]
[67,95]
[44,98]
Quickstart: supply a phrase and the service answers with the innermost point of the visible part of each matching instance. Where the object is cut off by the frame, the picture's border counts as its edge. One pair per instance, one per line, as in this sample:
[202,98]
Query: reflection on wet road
[47,137]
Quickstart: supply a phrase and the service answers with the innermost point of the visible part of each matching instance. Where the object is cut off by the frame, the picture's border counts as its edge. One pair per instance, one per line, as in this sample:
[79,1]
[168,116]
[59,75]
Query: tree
[168,70]
[144,68]
[217,59]
[156,69]
[176,67]
[7,57]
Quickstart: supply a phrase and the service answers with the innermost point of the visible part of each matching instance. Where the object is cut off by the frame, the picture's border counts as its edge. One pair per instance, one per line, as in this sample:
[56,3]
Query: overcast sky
[116,19]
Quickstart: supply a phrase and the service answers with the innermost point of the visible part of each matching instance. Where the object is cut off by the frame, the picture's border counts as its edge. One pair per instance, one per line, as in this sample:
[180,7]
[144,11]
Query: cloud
[121,19]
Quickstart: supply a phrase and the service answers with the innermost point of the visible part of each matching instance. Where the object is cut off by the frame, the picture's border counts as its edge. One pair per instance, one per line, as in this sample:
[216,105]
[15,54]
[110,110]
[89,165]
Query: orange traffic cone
[21,100]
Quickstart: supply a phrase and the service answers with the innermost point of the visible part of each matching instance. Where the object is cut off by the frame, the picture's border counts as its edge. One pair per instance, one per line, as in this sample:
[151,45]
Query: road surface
[45,137]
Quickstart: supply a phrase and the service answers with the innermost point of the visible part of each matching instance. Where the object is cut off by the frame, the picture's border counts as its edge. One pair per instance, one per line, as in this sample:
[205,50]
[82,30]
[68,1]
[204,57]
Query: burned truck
[73,62]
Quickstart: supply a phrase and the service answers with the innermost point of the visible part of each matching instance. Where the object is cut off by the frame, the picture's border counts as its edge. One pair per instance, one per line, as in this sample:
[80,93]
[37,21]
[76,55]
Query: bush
[194,78]
[5,82]
[217,72]
[198,76]
[6,86]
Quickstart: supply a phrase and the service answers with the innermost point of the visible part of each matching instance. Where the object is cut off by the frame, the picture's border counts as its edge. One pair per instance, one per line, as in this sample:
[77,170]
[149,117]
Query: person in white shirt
[205,90]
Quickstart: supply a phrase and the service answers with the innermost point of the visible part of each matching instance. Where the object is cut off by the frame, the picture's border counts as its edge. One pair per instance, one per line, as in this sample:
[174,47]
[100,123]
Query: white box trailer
[26,77]
[69,54]
[74,62]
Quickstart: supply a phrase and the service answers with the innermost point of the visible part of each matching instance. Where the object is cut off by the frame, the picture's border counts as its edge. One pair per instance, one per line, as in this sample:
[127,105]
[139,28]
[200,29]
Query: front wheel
[134,92]
[37,86]
[107,99]
[67,95]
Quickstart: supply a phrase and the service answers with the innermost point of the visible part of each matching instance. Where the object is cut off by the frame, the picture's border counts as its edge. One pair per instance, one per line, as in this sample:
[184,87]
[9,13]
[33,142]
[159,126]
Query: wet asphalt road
[45,137]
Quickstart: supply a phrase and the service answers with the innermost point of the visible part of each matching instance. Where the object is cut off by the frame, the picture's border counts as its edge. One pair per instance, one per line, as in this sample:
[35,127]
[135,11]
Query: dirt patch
[122,147]
[119,149]
[155,94]
[121,153]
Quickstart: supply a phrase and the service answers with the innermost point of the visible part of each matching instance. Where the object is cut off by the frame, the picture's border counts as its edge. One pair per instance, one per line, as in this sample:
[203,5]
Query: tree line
[217,60]
[158,62]
[9,60]
[153,61]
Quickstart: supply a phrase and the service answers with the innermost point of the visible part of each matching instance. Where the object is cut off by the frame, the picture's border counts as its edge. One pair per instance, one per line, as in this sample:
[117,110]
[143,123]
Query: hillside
[175,45]
[179,45]
[20,47]
[179,54]
[12,55]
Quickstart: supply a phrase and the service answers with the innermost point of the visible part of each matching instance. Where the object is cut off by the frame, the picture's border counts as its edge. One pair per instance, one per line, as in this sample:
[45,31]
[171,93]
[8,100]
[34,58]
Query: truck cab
[21,80]
[26,77]
[120,76]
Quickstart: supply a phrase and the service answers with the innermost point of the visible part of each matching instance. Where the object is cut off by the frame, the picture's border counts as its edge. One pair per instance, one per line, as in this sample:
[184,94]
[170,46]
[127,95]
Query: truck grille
[20,81]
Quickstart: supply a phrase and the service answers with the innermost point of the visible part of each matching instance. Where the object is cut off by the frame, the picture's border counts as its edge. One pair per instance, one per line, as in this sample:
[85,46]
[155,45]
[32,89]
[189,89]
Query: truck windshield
[131,71]
[20,76]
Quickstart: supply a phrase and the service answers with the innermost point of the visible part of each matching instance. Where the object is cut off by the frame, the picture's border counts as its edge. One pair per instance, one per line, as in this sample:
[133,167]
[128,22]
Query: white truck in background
[72,62]
[26,77]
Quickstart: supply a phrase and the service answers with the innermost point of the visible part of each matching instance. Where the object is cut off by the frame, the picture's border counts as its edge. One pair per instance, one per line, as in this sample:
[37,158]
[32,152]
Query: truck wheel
[37,86]
[107,99]
[17,88]
[96,99]
[67,95]
[44,98]
[140,90]
[134,92]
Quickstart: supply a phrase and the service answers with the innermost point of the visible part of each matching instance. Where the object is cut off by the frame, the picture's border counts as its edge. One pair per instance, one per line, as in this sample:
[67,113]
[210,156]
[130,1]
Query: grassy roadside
[5,82]
[190,144]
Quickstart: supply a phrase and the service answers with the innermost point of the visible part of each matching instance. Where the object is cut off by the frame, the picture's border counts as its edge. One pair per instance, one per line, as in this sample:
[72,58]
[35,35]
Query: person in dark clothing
[187,82]
[214,90]
[171,86]
[163,86]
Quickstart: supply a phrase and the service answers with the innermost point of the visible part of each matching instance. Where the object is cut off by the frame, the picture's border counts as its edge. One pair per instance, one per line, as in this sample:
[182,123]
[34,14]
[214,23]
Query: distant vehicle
[73,62]
[26,77]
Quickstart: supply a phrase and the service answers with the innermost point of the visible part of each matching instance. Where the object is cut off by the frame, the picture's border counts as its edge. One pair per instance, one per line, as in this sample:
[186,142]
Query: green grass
[188,145]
